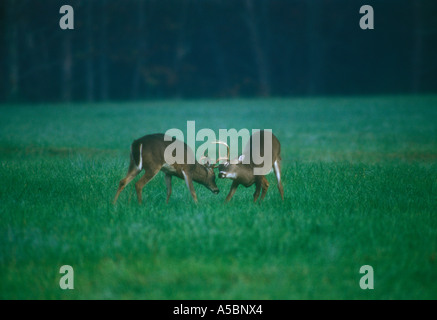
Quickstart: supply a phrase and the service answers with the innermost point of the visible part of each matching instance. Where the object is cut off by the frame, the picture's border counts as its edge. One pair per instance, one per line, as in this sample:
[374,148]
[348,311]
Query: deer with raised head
[148,154]
[244,169]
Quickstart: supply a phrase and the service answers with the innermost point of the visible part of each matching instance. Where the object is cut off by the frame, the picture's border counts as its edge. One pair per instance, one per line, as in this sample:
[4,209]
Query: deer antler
[204,157]
[222,158]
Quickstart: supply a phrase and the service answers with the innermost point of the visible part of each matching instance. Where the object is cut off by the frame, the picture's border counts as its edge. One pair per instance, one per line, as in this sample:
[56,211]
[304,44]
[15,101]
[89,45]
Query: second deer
[242,172]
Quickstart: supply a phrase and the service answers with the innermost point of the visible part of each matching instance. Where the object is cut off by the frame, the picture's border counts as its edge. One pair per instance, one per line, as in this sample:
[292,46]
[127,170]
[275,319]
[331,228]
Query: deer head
[228,169]
[209,180]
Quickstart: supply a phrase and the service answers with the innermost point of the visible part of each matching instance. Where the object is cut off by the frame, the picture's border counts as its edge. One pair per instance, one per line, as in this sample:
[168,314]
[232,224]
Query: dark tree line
[134,49]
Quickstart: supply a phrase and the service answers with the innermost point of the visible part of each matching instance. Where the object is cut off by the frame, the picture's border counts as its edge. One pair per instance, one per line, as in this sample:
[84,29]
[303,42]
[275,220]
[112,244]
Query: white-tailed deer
[147,153]
[241,170]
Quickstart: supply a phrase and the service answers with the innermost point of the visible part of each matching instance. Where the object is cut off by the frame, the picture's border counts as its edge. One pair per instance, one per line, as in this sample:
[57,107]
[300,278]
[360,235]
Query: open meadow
[360,182]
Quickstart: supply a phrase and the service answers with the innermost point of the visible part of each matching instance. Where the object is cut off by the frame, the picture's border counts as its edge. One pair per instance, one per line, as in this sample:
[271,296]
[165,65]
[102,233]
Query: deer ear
[206,159]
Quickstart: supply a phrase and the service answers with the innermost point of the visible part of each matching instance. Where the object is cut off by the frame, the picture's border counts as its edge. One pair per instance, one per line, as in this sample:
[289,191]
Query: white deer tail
[138,166]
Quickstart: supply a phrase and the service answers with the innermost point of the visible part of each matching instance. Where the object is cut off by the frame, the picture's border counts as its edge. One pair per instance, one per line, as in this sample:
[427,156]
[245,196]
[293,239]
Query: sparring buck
[149,152]
[248,170]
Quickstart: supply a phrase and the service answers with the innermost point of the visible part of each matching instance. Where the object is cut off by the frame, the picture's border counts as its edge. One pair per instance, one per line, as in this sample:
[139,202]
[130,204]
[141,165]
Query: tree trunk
[181,50]
[90,61]
[416,64]
[219,60]
[258,50]
[103,60]
[315,47]
[13,57]
[67,67]
[139,65]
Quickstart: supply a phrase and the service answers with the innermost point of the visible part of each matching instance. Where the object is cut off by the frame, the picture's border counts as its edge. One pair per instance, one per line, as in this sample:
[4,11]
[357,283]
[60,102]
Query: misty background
[156,49]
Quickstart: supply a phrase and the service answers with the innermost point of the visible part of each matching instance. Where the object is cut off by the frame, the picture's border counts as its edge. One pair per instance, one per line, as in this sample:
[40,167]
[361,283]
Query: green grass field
[360,181]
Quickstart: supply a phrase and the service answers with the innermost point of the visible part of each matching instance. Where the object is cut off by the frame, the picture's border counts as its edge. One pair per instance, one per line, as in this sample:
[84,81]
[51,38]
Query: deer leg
[264,187]
[148,175]
[189,183]
[264,184]
[168,184]
[132,173]
[257,190]
[232,191]
[277,169]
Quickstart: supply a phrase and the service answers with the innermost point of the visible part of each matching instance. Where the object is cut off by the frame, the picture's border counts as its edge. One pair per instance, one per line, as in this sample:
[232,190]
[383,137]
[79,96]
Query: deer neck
[199,174]
[245,175]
